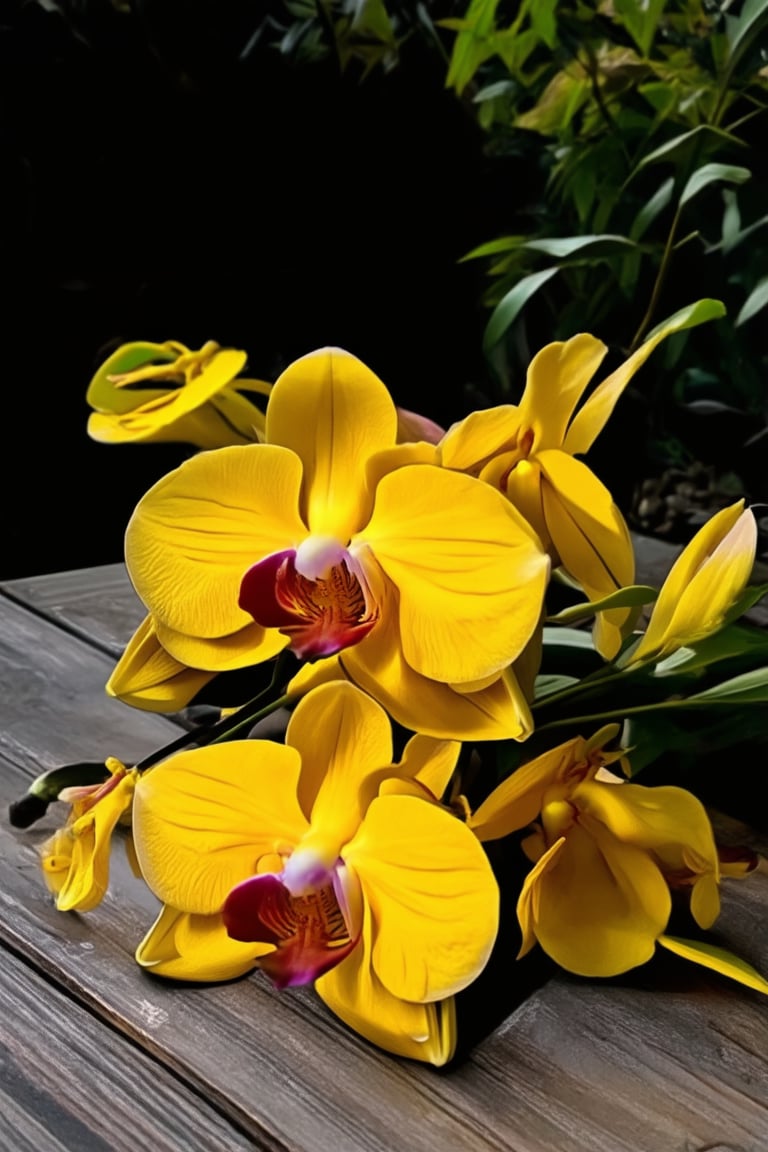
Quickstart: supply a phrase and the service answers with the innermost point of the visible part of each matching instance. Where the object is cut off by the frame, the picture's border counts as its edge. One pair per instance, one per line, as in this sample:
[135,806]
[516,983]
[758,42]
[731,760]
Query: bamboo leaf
[755,302]
[510,306]
[709,174]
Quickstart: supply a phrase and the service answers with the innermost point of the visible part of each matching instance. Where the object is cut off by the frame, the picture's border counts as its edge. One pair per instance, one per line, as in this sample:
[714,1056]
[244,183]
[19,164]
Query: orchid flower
[321,860]
[331,539]
[164,392]
[75,860]
[607,855]
[528,451]
[148,677]
[702,586]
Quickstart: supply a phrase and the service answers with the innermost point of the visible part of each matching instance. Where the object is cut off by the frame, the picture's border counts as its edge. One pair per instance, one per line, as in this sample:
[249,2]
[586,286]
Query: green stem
[622,713]
[661,276]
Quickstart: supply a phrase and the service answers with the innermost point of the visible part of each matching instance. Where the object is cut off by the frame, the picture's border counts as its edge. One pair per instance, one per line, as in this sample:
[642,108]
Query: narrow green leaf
[546,685]
[747,25]
[511,304]
[709,174]
[718,959]
[567,638]
[748,688]
[683,146]
[580,247]
[689,317]
[755,302]
[494,247]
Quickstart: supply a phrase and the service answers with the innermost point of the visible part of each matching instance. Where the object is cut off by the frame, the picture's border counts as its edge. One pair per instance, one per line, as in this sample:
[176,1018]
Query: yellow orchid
[528,452]
[319,859]
[75,860]
[702,586]
[165,392]
[332,539]
[607,855]
[147,676]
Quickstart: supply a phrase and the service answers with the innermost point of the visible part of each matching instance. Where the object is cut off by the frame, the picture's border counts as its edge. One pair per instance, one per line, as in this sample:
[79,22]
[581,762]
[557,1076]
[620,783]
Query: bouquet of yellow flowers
[415,750]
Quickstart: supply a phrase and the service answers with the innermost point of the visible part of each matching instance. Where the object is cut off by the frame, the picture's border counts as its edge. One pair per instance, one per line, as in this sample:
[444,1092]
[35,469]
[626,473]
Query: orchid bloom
[320,860]
[165,392]
[607,855]
[528,452]
[702,586]
[332,540]
[75,860]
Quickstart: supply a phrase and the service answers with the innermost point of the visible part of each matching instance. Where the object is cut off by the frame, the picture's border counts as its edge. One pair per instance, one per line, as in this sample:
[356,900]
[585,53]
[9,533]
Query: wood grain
[68,1081]
[670,1059]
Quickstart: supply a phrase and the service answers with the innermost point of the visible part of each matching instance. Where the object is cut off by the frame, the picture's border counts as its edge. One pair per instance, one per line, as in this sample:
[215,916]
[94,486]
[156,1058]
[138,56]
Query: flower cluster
[386,586]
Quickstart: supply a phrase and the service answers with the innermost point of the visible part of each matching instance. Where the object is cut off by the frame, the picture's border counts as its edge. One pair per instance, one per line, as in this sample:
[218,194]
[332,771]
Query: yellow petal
[147,676]
[202,819]
[718,959]
[593,415]
[703,583]
[88,877]
[378,666]
[181,946]
[591,538]
[471,442]
[196,532]
[334,413]
[432,893]
[516,802]
[250,645]
[431,762]
[457,551]
[344,739]
[353,991]
[600,905]
[105,396]
[557,378]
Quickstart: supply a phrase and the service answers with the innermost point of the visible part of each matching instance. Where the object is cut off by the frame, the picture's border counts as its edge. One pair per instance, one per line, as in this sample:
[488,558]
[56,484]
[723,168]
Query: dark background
[157,186]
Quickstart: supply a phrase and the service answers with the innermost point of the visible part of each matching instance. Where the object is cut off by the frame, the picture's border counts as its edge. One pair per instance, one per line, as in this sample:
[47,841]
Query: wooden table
[97,1055]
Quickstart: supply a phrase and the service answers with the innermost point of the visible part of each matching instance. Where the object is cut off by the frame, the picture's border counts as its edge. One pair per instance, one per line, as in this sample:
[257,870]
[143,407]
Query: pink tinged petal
[412,427]
[557,378]
[319,614]
[334,413]
[309,932]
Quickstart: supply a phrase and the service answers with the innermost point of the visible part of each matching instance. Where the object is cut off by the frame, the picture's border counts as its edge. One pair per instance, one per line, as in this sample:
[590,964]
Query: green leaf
[580,247]
[718,959]
[634,596]
[682,148]
[748,688]
[547,684]
[653,208]
[567,638]
[689,317]
[745,27]
[471,47]
[755,302]
[511,304]
[734,642]
[708,174]
[641,20]
[494,247]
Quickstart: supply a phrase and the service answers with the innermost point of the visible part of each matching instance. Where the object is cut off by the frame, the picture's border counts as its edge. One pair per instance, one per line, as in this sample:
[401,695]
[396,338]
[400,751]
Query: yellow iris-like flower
[607,856]
[702,586]
[320,860]
[528,452]
[333,540]
[165,392]
[75,860]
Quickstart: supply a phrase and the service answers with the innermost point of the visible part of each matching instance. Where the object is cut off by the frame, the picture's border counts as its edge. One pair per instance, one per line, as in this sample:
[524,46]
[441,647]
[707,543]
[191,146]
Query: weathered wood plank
[622,1066]
[98,604]
[68,1081]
